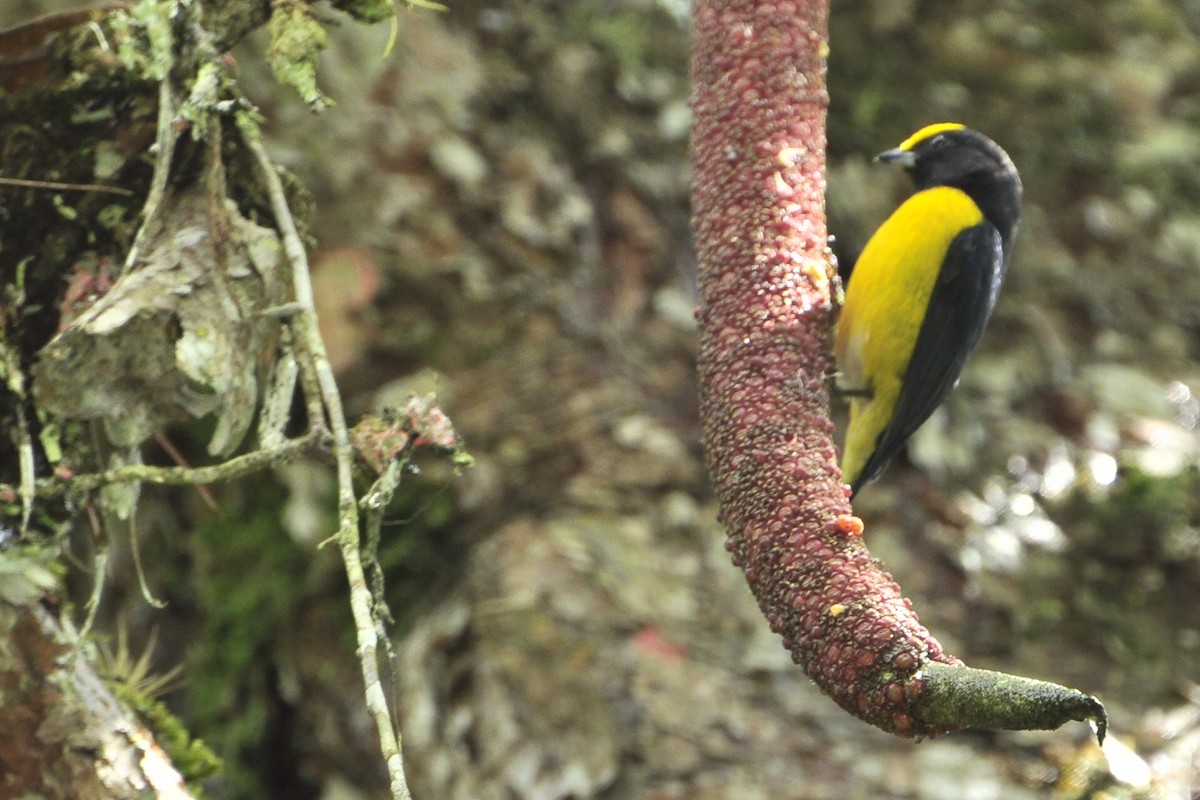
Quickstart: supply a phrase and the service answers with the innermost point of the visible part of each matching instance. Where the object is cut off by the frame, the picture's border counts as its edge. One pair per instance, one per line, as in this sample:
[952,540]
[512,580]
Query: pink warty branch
[765,274]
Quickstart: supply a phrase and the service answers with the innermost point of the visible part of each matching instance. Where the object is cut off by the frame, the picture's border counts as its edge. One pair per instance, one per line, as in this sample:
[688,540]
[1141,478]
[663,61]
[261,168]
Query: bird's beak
[905,158]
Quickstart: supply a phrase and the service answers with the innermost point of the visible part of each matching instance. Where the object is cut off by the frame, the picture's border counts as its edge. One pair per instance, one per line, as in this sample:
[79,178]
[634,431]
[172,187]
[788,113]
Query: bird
[922,290]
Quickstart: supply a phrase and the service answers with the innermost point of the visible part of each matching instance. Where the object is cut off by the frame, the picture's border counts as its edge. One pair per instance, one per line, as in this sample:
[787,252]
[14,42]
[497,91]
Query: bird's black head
[949,154]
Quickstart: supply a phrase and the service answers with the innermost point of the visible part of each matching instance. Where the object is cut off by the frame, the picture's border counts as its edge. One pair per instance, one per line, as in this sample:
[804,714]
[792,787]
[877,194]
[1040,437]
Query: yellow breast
[886,300]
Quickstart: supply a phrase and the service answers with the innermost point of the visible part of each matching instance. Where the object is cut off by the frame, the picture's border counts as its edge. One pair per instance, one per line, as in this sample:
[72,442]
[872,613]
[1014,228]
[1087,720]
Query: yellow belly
[886,299]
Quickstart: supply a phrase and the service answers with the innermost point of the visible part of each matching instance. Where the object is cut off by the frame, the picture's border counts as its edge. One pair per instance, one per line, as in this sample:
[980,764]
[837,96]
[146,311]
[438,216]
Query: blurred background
[501,218]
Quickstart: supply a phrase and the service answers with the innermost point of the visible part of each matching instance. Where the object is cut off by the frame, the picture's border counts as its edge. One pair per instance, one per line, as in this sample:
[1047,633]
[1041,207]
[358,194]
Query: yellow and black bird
[923,289]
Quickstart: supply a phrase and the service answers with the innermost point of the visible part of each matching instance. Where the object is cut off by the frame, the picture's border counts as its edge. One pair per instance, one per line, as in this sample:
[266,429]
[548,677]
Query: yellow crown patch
[928,131]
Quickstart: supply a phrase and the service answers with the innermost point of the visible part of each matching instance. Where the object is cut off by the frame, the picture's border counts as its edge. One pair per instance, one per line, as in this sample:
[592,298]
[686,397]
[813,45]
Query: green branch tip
[963,697]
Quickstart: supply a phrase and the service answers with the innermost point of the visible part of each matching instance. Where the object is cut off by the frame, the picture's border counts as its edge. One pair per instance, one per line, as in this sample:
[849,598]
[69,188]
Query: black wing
[959,308]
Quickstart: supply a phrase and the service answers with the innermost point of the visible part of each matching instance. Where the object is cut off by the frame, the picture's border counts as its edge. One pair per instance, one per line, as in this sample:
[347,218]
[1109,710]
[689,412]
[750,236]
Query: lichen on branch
[207,297]
[765,277]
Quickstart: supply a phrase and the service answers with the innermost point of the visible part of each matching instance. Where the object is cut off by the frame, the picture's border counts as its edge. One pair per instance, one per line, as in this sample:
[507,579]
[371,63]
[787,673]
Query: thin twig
[177,476]
[171,450]
[308,340]
[306,363]
[136,551]
[164,143]
[99,570]
[64,187]
[279,393]
[374,505]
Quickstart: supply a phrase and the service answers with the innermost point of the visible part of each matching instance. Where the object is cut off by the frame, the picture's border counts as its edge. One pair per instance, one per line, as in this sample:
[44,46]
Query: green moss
[249,578]
[625,35]
[962,697]
[1145,511]
[423,543]
[191,756]
[1116,590]
[144,40]
[369,11]
[113,217]
[297,40]
[244,611]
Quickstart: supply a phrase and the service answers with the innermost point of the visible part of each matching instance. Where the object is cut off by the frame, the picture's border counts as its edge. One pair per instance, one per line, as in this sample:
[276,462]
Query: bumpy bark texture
[764,317]
[759,105]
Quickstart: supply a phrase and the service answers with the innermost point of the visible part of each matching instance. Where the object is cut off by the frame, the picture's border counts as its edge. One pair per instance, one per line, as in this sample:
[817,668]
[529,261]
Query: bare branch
[308,340]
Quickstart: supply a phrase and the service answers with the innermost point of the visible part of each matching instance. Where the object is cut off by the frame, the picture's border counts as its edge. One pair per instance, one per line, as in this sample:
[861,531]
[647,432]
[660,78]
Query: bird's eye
[938,142]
